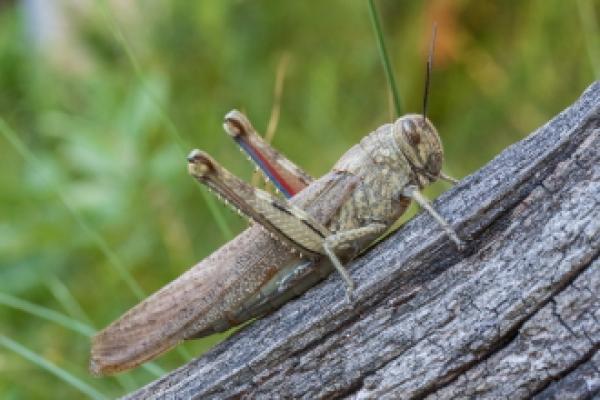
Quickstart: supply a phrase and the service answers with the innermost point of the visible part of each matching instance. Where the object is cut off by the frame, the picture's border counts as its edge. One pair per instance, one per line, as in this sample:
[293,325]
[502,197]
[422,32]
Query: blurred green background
[101,100]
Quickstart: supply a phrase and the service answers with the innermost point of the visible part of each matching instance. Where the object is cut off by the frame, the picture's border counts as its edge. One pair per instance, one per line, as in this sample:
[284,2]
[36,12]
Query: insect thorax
[384,172]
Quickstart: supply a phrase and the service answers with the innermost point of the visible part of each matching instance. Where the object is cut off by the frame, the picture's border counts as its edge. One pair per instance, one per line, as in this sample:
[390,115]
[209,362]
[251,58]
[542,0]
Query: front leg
[287,177]
[413,193]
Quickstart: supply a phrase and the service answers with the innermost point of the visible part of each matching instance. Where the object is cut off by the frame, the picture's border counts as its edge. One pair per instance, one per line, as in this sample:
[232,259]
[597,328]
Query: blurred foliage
[94,131]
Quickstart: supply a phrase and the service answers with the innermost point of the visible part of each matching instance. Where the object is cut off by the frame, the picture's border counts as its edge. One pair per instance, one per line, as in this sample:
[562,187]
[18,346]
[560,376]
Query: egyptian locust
[290,245]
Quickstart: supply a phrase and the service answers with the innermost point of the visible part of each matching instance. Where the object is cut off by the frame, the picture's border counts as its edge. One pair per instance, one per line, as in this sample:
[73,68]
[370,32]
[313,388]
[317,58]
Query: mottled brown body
[332,219]
[383,170]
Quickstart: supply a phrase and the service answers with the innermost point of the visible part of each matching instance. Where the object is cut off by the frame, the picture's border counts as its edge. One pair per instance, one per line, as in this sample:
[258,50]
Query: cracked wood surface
[517,315]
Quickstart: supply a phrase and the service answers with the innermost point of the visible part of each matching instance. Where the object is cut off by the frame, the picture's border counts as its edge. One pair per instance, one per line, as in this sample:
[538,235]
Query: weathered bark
[516,315]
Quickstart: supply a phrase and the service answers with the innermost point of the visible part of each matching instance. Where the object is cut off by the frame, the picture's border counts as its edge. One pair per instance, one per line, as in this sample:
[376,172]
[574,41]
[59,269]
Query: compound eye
[412,133]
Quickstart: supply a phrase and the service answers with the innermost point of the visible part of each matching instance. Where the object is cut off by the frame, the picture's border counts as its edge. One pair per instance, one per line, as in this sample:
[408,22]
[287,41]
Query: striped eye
[412,133]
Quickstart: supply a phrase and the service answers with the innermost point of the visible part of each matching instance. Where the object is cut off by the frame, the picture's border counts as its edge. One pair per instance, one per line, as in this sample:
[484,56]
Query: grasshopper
[292,243]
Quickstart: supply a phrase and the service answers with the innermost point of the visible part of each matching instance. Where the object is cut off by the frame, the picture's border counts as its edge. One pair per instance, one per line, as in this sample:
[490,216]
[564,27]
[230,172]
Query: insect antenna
[428,70]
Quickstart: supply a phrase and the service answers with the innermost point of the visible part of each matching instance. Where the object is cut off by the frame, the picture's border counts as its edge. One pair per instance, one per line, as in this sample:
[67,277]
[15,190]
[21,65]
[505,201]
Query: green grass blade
[95,237]
[154,369]
[66,299]
[117,32]
[55,370]
[62,320]
[385,60]
[46,313]
[64,296]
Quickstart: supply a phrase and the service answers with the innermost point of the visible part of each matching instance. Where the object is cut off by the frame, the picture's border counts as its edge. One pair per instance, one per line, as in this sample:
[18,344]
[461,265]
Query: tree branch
[516,315]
